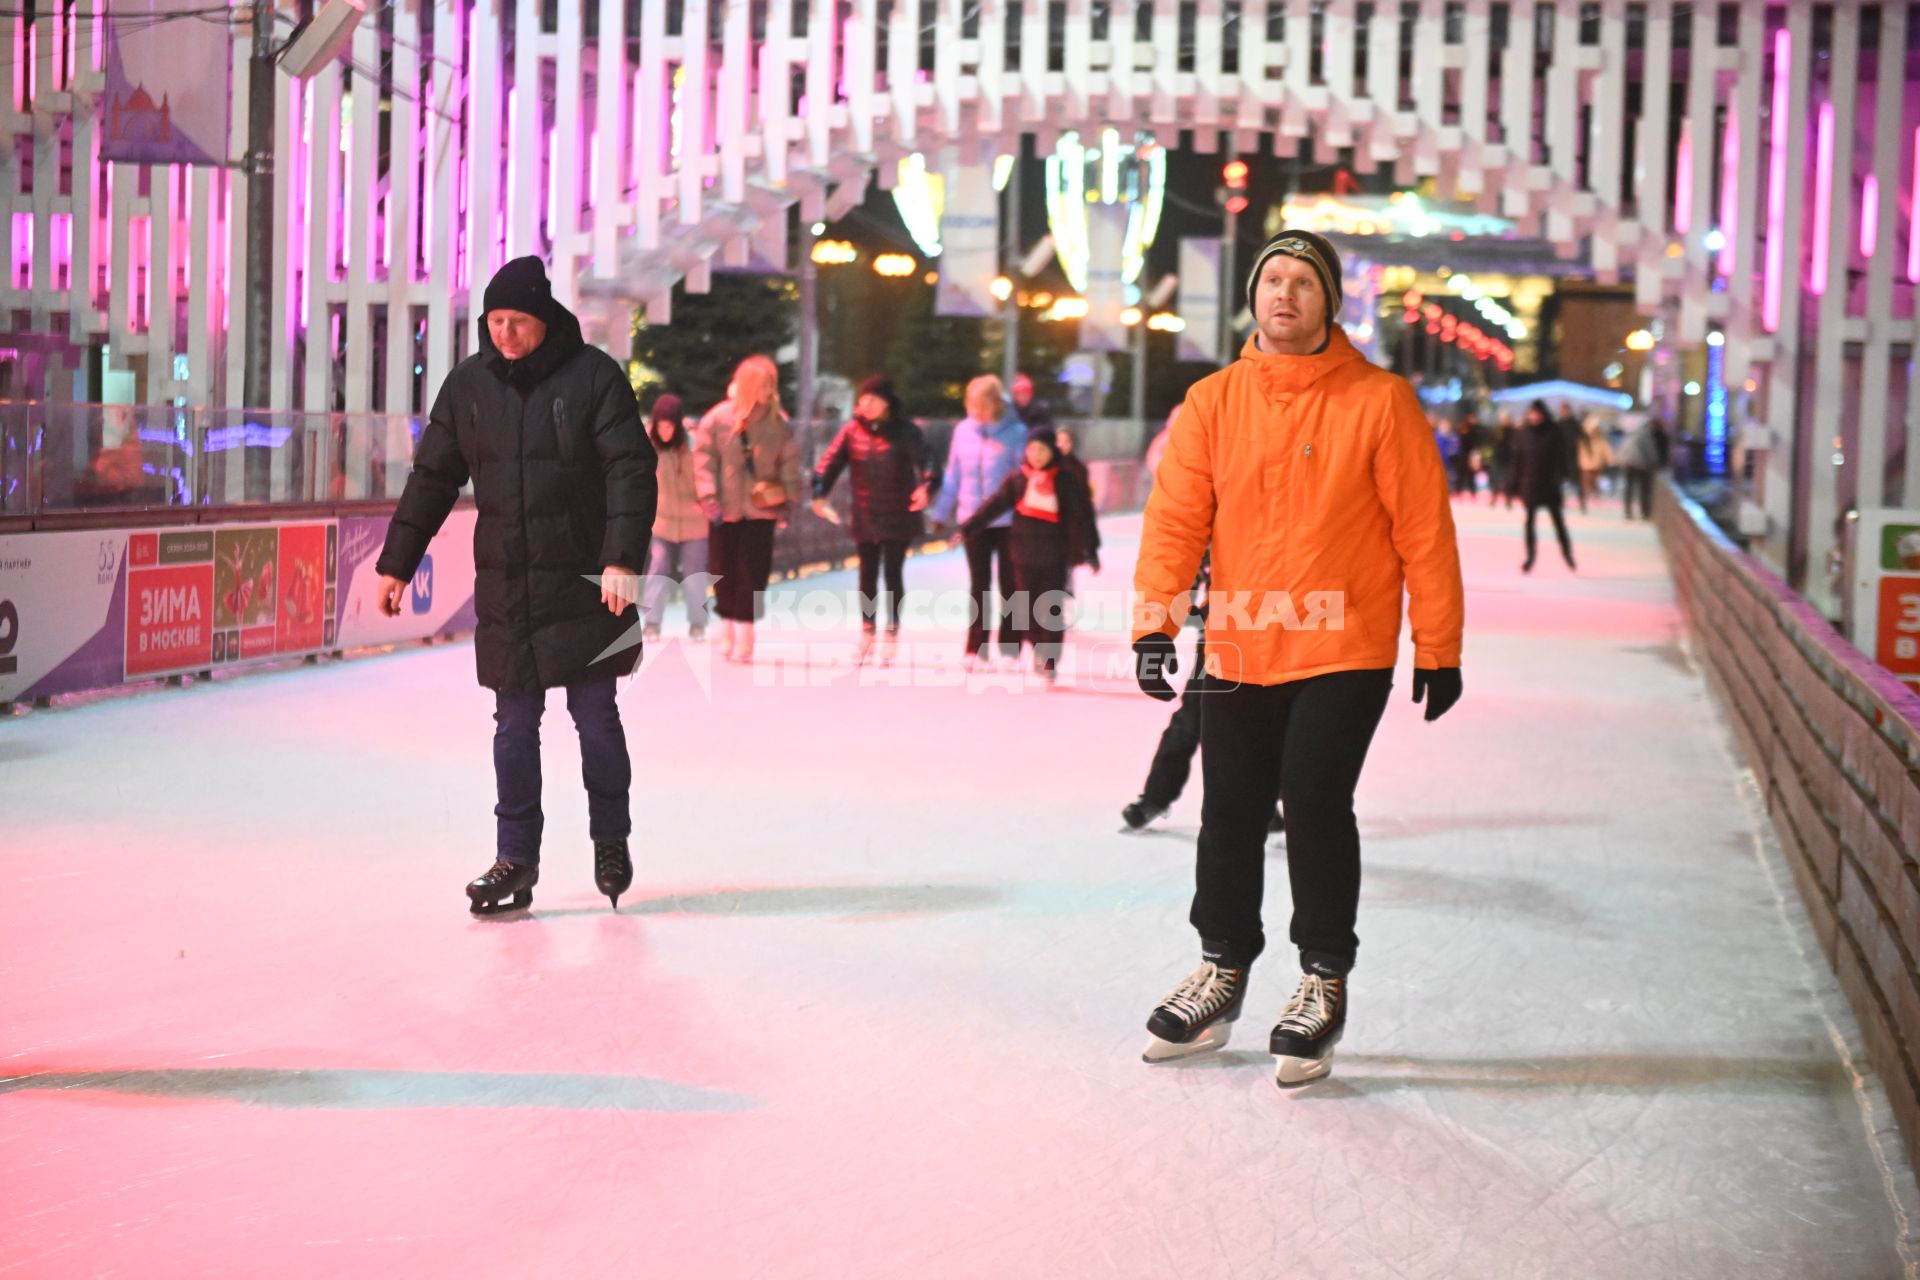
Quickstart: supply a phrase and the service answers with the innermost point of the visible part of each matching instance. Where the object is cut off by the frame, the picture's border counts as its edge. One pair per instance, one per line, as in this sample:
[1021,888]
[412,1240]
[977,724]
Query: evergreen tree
[694,355]
[933,358]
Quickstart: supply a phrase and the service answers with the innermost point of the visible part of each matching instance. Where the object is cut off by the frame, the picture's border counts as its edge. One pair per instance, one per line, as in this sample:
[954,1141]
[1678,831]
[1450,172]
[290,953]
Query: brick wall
[1834,741]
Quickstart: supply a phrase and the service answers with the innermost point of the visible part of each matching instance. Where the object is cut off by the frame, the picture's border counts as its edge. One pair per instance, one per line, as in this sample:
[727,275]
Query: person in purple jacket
[988,446]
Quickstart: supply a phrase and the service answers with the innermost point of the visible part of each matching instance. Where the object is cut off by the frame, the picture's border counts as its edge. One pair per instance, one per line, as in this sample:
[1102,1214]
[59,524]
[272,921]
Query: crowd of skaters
[1010,490]
[1541,459]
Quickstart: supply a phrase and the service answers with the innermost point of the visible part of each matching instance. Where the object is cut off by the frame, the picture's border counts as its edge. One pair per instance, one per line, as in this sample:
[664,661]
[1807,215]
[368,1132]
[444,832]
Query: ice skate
[1310,1026]
[1141,812]
[650,634]
[612,869]
[863,650]
[1198,1016]
[889,647]
[506,886]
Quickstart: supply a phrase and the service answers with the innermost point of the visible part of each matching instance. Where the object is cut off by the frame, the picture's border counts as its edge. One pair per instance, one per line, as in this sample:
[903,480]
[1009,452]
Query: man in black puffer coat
[1541,465]
[547,429]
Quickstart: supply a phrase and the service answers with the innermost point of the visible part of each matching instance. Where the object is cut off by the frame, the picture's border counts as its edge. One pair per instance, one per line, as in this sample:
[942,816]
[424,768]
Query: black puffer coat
[563,476]
[889,462]
[1540,464]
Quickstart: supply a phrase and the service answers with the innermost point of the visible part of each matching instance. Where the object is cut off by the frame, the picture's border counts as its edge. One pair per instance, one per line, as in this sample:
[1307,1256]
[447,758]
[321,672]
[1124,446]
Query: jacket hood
[1289,375]
[563,343]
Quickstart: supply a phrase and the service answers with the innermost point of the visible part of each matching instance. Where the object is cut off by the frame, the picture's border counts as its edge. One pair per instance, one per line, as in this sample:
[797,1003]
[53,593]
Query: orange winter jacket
[1317,483]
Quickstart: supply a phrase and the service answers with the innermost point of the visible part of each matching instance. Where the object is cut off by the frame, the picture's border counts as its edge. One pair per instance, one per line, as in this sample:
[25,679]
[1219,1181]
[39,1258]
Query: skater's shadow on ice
[1389,886]
[351,1090]
[1366,1073]
[805,900]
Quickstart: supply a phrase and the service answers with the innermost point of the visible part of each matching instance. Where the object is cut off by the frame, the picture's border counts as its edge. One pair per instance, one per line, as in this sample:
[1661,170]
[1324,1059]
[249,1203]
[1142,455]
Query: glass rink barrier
[59,458]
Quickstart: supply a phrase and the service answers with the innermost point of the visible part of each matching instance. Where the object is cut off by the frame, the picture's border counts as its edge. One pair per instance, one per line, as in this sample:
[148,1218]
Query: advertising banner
[62,600]
[1199,299]
[170,616]
[1885,608]
[168,90]
[1102,329]
[969,243]
[94,609]
[439,600]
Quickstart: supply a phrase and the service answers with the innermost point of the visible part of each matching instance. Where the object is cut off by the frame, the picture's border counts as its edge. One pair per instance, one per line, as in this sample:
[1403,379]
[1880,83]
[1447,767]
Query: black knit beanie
[1316,252]
[521,285]
[1045,435]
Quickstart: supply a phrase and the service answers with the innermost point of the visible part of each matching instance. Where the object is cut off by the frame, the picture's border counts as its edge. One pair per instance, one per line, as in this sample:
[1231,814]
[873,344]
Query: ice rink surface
[875,1004]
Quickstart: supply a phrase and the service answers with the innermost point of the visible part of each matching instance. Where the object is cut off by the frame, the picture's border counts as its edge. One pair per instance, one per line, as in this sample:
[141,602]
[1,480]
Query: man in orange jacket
[1314,477]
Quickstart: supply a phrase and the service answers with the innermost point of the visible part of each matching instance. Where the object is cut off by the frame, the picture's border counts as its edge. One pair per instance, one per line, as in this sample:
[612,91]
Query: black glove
[1153,662]
[1444,686]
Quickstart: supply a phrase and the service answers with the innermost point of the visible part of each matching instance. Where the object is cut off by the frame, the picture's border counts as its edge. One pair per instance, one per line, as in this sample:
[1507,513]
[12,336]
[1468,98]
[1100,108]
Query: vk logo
[423,587]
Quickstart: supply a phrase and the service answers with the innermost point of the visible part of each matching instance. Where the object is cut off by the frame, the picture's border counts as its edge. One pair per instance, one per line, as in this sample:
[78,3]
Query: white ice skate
[1309,1028]
[1198,1016]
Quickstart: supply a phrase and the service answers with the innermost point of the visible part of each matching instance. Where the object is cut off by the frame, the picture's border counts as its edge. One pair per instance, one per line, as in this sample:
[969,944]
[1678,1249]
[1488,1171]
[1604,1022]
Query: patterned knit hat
[1316,252]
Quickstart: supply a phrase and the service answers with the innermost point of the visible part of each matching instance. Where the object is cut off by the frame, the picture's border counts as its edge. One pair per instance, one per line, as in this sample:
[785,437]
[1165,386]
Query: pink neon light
[62,228]
[23,251]
[417,257]
[593,166]
[1683,182]
[1869,215]
[1774,271]
[1822,200]
[512,147]
[140,248]
[59,45]
[303,187]
[1729,194]
[1913,216]
[553,190]
[342,224]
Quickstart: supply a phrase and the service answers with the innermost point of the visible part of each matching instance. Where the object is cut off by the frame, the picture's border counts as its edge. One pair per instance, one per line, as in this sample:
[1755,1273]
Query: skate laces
[1203,992]
[606,857]
[1313,1005]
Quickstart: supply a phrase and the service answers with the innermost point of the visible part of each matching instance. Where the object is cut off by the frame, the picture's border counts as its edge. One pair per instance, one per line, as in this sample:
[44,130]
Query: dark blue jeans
[604,766]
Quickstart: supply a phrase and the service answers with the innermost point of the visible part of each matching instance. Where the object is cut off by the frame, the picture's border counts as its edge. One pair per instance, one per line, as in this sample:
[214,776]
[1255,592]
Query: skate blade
[1291,1073]
[1214,1037]
[519,902]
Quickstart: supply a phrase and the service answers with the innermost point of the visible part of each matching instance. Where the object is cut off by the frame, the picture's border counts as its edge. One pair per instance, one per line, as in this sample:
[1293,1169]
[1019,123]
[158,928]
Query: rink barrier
[1834,743]
[100,599]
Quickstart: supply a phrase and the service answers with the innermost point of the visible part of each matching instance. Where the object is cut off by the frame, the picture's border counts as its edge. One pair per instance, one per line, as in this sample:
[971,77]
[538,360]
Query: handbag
[765,494]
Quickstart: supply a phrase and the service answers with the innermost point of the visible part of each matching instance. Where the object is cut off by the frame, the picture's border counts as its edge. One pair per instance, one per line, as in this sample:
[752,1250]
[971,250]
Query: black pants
[740,556]
[1302,743]
[876,557]
[604,766]
[1552,507]
[1640,481]
[1173,758]
[1462,469]
[1040,617]
[988,616]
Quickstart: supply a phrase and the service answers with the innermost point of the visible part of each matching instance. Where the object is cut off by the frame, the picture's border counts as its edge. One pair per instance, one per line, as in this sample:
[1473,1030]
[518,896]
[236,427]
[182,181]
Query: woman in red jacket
[1314,478]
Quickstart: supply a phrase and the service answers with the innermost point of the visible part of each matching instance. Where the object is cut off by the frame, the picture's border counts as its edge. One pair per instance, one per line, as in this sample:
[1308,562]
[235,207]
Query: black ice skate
[1303,1039]
[612,869]
[504,880]
[1198,1016]
[1141,812]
